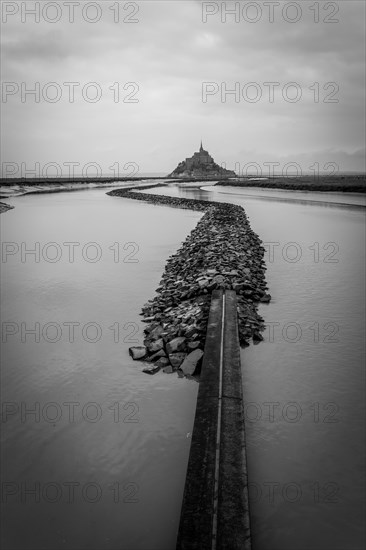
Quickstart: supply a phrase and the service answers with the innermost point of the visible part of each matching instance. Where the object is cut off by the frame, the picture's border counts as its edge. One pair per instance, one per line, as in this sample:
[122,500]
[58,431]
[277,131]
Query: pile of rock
[222,252]
[175,202]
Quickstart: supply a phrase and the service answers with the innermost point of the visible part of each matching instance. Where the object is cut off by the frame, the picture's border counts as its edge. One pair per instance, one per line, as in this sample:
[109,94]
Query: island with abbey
[201,165]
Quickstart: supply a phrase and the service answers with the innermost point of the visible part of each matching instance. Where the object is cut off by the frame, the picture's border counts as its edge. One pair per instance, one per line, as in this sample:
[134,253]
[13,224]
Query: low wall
[215,509]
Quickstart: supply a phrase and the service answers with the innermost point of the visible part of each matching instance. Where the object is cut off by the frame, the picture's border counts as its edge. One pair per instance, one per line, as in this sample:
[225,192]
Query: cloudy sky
[162,74]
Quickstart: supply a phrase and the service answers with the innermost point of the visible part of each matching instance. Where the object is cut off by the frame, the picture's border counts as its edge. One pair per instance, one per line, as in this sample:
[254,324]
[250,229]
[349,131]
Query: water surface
[304,385]
[124,450]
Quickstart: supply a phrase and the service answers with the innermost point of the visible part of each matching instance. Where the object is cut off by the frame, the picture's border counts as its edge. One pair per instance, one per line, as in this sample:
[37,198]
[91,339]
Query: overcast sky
[169,53]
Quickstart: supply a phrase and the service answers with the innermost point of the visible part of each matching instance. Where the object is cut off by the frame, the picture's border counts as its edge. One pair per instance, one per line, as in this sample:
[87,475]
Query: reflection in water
[186,190]
[209,192]
[324,203]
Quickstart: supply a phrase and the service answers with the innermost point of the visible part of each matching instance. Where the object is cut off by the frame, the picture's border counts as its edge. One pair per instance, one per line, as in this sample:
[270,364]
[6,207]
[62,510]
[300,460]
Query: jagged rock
[238,286]
[219,279]
[211,286]
[176,359]
[156,332]
[137,352]
[162,362]
[168,370]
[191,331]
[193,345]
[157,355]
[177,344]
[148,319]
[151,370]
[155,346]
[190,362]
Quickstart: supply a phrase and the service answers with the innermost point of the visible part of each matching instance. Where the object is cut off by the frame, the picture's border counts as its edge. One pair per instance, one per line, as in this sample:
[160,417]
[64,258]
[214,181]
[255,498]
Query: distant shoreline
[13,190]
[325,184]
[75,180]
[13,187]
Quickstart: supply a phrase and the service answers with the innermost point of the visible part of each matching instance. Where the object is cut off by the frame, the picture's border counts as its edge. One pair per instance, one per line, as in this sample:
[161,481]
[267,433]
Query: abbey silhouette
[200,165]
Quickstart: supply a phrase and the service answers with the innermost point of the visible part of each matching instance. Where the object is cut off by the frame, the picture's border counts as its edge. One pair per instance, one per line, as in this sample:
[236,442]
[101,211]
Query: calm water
[132,459]
[303,385]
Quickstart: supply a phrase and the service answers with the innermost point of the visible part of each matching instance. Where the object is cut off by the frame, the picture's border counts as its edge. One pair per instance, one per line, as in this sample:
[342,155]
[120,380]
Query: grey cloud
[169,54]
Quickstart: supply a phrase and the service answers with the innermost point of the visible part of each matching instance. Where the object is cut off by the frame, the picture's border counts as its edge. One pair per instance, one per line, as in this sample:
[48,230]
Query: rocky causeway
[221,252]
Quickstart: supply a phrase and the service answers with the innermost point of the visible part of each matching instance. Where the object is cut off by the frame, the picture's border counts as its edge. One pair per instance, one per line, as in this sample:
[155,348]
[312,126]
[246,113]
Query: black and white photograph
[183,267]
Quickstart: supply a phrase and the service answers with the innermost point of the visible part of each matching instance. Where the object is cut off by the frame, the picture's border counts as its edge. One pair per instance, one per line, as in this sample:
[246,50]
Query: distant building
[201,165]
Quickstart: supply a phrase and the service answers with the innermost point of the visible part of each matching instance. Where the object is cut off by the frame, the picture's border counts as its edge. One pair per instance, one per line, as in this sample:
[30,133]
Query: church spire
[201,148]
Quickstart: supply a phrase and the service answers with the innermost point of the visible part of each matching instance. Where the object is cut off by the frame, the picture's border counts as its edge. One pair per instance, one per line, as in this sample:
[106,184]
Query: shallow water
[303,391]
[125,441]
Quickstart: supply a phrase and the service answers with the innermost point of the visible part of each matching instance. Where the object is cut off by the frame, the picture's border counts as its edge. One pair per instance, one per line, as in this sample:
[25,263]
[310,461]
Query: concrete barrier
[215,508]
